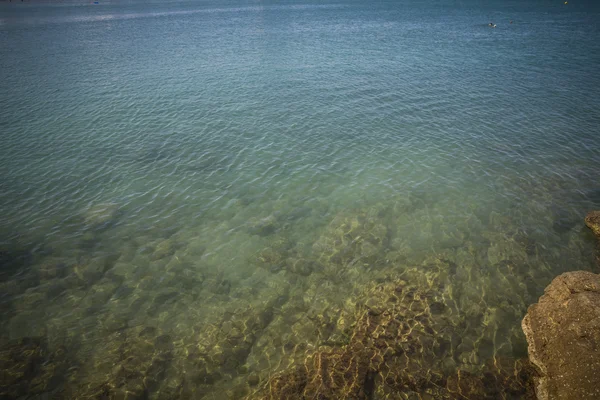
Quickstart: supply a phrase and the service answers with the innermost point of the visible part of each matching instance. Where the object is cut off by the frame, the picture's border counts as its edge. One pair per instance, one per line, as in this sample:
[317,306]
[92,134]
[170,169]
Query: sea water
[199,199]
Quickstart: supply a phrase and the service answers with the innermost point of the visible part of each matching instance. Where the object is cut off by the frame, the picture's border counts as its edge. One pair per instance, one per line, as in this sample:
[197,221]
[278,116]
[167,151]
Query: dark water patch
[14,260]
[564,223]
[56,289]
[593,196]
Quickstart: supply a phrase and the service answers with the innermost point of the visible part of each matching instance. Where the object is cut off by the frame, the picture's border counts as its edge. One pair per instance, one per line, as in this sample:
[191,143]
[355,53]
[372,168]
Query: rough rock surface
[592,220]
[563,332]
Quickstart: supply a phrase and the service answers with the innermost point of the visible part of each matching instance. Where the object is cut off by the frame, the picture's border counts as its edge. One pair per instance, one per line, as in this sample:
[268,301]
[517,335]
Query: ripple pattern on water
[207,199]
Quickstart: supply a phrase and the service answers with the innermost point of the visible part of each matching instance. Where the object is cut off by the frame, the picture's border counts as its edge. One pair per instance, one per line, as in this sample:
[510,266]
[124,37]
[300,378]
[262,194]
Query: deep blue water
[163,163]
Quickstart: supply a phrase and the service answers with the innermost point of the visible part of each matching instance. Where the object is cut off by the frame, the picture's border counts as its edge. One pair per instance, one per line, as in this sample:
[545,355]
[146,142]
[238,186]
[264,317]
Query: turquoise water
[173,172]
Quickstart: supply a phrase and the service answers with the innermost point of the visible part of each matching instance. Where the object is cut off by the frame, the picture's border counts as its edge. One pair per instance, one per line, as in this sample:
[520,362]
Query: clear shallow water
[209,193]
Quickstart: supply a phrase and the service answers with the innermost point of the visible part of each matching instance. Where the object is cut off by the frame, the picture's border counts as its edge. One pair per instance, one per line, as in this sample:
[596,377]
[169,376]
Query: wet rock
[563,333]
[592,220]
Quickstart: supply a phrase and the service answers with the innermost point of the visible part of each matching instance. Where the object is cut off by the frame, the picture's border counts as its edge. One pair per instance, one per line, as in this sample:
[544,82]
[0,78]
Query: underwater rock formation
[263,226]
[592,220]
[399,343]
[27,368]
[351,241]
[101,215]
[563,332]
[371,302]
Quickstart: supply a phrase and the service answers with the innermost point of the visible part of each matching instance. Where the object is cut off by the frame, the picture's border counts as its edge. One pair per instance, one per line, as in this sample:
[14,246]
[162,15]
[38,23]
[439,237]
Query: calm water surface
[202,199]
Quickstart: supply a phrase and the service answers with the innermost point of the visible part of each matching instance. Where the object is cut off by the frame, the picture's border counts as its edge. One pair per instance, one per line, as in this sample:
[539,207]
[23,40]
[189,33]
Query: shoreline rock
[563,333]
[592,220]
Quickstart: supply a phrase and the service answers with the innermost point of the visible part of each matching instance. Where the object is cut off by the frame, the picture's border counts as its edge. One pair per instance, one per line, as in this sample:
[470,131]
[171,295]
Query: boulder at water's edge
[563,333]
[592,220]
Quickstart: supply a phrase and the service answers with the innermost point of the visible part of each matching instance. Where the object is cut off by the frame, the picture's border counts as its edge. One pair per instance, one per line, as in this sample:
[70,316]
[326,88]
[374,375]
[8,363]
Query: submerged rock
[592,220]
[29,370]
[263,226]
[101,215]
[563,332]
[395,343]
[165,248]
